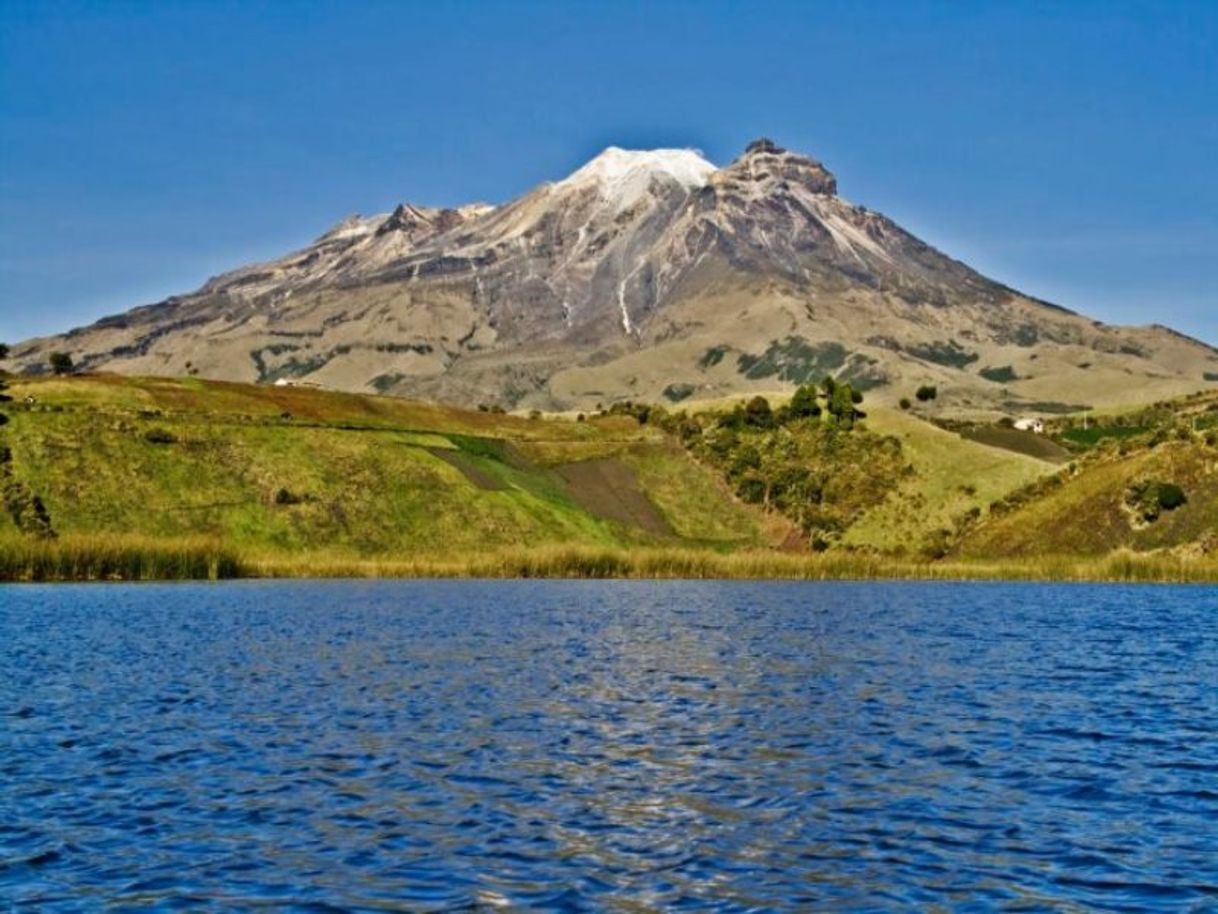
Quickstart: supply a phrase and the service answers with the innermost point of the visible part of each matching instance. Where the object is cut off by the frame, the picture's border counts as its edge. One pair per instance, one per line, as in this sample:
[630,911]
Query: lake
[623,746]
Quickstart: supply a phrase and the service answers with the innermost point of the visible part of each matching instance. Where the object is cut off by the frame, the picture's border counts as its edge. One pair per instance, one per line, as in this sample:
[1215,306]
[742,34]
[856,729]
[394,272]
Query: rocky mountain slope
[645,275]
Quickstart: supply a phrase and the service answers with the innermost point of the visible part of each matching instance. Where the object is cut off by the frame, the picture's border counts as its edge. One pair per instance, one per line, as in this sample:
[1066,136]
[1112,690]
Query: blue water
[624,746]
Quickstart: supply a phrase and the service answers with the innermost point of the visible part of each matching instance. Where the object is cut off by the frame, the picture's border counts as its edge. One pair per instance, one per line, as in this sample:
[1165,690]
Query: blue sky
[1067,149]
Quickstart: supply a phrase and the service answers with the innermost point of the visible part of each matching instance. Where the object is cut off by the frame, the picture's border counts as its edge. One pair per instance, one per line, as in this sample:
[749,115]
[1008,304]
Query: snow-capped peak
[623,174]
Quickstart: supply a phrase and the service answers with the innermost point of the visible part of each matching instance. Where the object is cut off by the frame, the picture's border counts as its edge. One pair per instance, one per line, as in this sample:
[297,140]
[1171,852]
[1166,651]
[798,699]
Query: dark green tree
[60,362]
[3,351]
[841,404]
[927,392]
[804,404]
[758,414]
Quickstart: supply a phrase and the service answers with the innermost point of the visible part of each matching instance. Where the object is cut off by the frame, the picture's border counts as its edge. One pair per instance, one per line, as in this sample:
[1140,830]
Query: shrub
[758,413]
[1000,375]
[678,392]
[1151,497]
[159,436]
[1170,496]
[927,392]
[905,404]
[285,497]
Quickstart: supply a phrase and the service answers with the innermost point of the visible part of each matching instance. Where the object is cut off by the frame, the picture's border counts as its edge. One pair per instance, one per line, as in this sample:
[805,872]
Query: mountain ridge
[645,275]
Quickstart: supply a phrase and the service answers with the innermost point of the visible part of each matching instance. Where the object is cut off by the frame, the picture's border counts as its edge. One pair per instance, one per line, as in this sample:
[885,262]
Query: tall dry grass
[591,562]
[114,558]
[129,558]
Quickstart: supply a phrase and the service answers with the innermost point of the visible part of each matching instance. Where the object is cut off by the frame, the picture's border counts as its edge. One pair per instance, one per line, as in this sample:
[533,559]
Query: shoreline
[138,559]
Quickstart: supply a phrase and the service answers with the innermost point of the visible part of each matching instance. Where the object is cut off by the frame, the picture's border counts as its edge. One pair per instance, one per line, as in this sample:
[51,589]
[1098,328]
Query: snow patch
[623,175]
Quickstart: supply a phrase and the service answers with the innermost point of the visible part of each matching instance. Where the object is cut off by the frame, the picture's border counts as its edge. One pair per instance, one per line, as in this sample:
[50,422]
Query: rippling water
[622,745]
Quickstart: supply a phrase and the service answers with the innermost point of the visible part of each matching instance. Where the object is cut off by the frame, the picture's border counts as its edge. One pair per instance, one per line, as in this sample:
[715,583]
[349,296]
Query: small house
[1036,426]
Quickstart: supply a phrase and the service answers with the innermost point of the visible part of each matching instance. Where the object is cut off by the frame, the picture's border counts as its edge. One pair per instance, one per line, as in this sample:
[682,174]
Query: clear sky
[1067,149]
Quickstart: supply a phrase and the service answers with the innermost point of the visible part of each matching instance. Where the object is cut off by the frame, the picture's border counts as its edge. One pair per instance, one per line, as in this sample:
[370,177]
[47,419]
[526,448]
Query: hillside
[1142,481]
[645,275]
[291,480]
[952,476]
[273,471]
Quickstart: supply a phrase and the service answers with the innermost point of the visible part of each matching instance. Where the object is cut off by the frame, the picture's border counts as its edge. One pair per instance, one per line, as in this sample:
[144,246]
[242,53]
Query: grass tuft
[114,558]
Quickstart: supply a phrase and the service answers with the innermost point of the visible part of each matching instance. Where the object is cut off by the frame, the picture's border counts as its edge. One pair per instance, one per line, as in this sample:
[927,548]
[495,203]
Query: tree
[841,403]
[927,392]
[60,362]
[905,404]
[758,413]
[3,351]
[803,403]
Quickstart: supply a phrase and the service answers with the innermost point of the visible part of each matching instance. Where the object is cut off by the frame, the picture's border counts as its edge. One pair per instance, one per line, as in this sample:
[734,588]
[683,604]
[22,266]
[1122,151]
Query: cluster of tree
[807,459]
[1149,498]
[821,475]
[831,401]
[925,394]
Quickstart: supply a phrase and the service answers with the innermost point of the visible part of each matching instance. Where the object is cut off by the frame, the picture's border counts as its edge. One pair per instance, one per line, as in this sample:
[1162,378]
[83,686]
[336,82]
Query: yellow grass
[951,476]
[114,558]
[127,558]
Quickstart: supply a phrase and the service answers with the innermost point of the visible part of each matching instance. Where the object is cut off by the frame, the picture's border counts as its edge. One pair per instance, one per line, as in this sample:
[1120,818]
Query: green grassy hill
[952,476]
[288,472]
[1098,507]
[107,476]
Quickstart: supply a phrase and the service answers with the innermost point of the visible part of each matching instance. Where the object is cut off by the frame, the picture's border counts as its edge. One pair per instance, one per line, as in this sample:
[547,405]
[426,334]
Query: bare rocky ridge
[646,275]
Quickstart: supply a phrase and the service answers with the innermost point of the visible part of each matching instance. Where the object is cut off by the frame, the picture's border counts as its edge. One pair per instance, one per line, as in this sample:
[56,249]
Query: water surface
[609,746]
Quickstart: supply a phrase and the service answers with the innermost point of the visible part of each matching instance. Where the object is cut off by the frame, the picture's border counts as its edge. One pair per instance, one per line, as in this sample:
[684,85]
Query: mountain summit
[644,275]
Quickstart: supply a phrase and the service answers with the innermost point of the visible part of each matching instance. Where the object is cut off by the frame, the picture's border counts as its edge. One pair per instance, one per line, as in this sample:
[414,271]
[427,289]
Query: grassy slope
[1086,515]
[378,499]
[946,466]
[363,467]
[951,475]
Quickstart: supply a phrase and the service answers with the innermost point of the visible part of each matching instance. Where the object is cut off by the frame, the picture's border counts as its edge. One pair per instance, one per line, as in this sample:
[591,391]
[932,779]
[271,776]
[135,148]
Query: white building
[1030,425]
